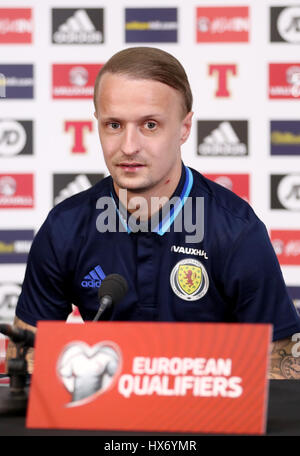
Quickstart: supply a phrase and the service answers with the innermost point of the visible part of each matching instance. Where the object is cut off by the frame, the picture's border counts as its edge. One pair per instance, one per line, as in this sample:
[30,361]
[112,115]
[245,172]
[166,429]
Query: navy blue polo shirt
[226,271]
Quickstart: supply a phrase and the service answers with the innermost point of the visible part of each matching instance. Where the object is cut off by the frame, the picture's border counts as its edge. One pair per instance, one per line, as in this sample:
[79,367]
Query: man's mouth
[130,166]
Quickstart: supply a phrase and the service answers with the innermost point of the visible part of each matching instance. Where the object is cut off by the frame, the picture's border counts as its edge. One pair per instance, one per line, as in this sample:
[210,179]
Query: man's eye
[150,125]
[114,125]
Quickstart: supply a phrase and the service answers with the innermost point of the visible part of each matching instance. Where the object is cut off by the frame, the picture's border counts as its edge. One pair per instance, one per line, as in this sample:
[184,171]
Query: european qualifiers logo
[67,185]
[284,81]
[15,245]
[16,25]
[285,137]
[224,138]
[87,371]
[151,25]
[227,24]
[77,26]
[285,191]
[285,24]
[19,81]
[74,80]
[16,137]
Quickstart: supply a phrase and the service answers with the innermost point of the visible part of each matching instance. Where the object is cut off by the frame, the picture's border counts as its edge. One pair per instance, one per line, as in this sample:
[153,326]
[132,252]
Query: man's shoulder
[77,211]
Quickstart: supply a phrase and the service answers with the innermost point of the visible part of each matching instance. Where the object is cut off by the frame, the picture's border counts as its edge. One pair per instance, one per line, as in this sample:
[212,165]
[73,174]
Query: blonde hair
[149,63]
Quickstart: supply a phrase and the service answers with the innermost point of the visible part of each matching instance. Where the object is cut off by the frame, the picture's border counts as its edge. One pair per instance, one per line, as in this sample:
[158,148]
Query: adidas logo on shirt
[94,278]
[222,140]
[79,27]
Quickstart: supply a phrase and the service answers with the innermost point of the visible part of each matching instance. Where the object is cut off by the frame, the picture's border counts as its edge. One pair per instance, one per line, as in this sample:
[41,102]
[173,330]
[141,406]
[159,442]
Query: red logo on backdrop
[284,80]
[3,347]
[16,191]
[222,72]
[78,129]
[237,183]
[286,244]
[16,25]
[223,24]
[74,80]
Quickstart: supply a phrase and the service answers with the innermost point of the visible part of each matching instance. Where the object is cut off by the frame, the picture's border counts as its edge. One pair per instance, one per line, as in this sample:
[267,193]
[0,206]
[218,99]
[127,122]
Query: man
[205,257]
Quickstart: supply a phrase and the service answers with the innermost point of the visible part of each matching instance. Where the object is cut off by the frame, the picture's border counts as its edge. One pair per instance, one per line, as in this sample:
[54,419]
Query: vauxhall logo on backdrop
[15,245]
[16,137]
[285,24]
[285,137]
[18,80]
[77,26]
[151,25]
[222,138]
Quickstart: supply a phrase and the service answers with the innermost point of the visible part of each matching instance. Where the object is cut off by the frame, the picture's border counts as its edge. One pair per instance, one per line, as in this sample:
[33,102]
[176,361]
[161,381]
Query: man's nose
[130,140]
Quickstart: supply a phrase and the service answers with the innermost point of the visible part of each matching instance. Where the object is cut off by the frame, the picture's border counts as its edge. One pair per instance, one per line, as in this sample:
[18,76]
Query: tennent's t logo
[222,72]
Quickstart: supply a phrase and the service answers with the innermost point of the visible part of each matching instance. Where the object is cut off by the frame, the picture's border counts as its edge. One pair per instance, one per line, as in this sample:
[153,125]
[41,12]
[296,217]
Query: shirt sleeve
[44,291]
[255,285]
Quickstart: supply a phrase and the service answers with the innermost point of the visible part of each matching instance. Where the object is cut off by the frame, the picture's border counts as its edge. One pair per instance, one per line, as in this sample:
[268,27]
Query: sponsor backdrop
[243,62]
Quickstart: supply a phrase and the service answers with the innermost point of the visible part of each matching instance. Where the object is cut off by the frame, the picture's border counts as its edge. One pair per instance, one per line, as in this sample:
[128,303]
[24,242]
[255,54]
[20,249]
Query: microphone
[18,335]
[113,288]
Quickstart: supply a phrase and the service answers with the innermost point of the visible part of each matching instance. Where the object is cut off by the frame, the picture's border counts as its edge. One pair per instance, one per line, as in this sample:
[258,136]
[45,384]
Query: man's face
[141,127]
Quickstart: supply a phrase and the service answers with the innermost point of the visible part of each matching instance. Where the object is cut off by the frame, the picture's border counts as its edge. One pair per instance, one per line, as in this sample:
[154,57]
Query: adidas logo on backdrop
[222,138]
[77,26]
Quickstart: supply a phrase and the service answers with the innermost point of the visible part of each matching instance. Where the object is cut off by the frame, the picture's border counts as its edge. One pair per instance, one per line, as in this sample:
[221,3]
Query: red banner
[74,80]
[227,24]
[16,25]
[16,191]
[182,377]
[3,348]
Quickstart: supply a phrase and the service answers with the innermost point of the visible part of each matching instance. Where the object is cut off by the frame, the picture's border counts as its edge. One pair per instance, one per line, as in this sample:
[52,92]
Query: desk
[283,417]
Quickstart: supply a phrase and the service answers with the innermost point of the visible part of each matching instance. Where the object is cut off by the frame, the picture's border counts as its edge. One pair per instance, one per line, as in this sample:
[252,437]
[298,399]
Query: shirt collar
[161,222]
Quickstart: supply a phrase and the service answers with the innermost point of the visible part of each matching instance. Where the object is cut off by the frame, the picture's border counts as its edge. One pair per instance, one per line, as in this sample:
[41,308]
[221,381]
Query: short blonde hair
[149,63]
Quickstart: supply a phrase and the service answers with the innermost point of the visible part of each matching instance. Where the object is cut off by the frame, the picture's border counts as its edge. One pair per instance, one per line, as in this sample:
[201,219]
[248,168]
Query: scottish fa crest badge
[189,279]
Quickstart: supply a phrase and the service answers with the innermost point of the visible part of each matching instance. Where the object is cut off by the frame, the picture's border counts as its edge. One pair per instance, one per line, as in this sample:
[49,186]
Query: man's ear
[186,126]
[96,115]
